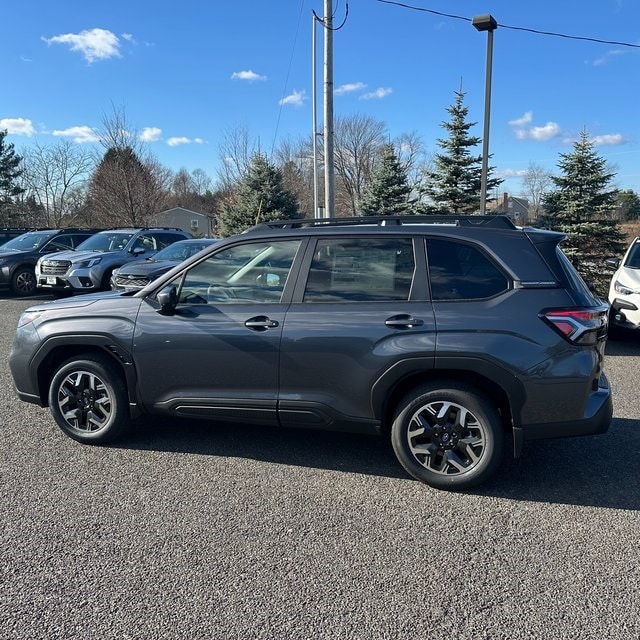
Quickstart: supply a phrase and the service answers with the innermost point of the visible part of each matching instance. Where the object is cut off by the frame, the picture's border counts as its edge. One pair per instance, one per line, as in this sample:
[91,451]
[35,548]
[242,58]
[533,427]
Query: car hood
[77,256]
[629,277]
[4,253]
[147,268]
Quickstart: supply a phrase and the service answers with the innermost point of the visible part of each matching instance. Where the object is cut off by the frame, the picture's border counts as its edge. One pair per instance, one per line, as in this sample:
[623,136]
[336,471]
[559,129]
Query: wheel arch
[48,360]
[385,407]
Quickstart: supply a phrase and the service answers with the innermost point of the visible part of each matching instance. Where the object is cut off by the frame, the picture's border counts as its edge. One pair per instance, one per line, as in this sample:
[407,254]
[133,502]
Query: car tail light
[579,325]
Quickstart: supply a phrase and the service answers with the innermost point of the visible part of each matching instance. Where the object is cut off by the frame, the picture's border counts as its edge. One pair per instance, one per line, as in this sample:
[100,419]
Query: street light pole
[486,22]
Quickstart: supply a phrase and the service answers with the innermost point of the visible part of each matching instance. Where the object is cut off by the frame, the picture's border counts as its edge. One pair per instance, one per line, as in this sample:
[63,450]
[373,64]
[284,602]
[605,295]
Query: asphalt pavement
[196,530]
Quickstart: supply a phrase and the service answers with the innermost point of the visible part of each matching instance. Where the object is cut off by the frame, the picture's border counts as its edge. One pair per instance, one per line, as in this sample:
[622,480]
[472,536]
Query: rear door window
[360,270]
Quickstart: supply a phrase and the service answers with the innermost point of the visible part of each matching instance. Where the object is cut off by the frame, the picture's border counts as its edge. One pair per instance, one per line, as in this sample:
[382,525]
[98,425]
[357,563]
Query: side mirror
[168,300]
[612,262]
[137,251]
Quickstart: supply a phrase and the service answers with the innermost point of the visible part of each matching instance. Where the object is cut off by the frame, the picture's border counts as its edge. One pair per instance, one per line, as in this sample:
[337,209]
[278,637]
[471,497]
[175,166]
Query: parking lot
[195,530]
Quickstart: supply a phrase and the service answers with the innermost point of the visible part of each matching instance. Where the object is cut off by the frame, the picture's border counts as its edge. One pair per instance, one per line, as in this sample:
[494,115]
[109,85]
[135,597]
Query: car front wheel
[448,436]
[88,399]
[23,281]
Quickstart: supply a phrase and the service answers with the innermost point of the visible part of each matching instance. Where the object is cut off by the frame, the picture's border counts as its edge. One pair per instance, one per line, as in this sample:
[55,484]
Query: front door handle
[261,323]
[403,321]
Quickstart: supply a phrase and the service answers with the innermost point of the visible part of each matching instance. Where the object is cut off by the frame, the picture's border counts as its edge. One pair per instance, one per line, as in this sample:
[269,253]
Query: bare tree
[535,184]
[358,142]
[294,159]
[129,185]
[52,175]
[235,153]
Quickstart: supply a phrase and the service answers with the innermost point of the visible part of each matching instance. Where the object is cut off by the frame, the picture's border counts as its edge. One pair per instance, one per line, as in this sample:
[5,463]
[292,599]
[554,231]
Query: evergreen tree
[388,191]
[455,184]
[581,206]
[9,171]
[260,197]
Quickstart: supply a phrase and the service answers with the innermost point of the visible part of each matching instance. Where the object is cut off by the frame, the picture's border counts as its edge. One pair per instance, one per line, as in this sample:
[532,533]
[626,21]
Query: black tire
[23,281]
[448,435]
[88,399]
[105,284]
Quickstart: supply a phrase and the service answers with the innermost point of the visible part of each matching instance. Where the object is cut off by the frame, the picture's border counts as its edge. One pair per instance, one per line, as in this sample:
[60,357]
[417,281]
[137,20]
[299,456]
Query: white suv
[91,265]
[624,291]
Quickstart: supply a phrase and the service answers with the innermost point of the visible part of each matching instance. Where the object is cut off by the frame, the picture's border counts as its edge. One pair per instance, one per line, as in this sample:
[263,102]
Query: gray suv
[446,334]
[90,266]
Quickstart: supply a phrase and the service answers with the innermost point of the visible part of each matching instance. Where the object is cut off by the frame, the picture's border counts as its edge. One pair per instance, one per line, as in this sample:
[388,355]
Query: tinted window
[106,241]
[29,241]
[253,272]
[461,271]
[354,270]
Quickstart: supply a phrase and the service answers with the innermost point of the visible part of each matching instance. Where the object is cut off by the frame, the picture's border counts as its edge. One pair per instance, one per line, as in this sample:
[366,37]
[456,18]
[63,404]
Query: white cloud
[249,75]
[177,141]
[378,94]
[350,87]
[511,173]
[128,37]
[78,134]
[150,134]
[93,44]
[525,132]
[527,118]
[17,126]
[610,139]
[607,57]
[296,99]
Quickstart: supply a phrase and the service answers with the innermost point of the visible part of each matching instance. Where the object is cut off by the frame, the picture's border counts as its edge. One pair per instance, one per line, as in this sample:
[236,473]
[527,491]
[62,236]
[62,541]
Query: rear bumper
[596,420]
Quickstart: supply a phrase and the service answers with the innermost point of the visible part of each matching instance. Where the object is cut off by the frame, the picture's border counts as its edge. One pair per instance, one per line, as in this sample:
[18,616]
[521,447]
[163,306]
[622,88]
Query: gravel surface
[195,530]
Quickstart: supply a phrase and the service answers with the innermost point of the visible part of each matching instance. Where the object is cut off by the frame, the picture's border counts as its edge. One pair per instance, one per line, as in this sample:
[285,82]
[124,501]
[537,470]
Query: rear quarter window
[461,271]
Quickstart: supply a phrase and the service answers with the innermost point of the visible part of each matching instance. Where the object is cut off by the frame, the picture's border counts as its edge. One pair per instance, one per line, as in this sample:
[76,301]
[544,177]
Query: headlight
[87,264]
[620,288]
[28,316]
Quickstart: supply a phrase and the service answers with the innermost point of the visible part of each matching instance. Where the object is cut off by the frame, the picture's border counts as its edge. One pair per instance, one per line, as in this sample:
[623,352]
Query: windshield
[633,259]
[111,241]
[30,241]
[181,250]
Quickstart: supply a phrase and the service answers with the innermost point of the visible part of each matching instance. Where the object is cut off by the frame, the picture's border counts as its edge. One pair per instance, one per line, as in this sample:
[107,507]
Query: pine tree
[388,192]
[9,170]
[455,184]
[260,197]
[581,206]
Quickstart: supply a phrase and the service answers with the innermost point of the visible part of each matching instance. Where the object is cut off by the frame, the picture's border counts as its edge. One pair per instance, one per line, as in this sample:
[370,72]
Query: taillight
[580,326]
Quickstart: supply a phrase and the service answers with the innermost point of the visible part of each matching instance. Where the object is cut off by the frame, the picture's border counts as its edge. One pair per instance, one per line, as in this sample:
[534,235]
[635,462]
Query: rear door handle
[403,321]
[260,323]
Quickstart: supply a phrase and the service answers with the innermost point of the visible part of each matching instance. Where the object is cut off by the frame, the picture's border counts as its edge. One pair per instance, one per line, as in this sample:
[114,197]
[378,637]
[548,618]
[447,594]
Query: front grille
[127,282]
[54,267]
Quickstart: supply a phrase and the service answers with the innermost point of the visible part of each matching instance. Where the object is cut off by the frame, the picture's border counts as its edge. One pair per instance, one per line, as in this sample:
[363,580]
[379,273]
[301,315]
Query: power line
[506,26]
[344,21]
[286,82]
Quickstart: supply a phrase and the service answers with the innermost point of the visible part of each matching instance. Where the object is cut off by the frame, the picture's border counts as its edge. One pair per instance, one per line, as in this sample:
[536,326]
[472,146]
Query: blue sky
[187,72]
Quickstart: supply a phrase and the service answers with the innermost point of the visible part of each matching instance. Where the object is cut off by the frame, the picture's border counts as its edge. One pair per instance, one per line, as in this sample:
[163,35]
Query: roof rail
[465,220]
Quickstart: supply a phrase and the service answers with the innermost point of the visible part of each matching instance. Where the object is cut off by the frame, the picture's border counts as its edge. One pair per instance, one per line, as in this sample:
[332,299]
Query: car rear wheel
[448,436]
[88,399]
[23,281]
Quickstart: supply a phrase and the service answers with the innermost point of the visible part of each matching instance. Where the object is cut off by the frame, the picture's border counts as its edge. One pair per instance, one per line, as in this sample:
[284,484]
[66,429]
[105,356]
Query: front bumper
[624,314]
[74,280]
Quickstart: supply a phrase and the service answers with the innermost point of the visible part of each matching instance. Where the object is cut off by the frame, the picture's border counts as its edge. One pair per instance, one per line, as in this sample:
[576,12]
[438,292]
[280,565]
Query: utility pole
[314,130]
[329,168]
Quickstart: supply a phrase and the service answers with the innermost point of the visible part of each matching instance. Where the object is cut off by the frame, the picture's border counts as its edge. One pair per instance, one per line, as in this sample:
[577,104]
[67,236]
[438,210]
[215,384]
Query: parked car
[136,275]
[446,334]
[91,266]
[18,256]
[9,233]
[624,290]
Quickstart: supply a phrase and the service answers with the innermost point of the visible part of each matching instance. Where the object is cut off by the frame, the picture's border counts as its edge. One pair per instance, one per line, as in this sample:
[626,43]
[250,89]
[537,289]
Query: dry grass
[631,229]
